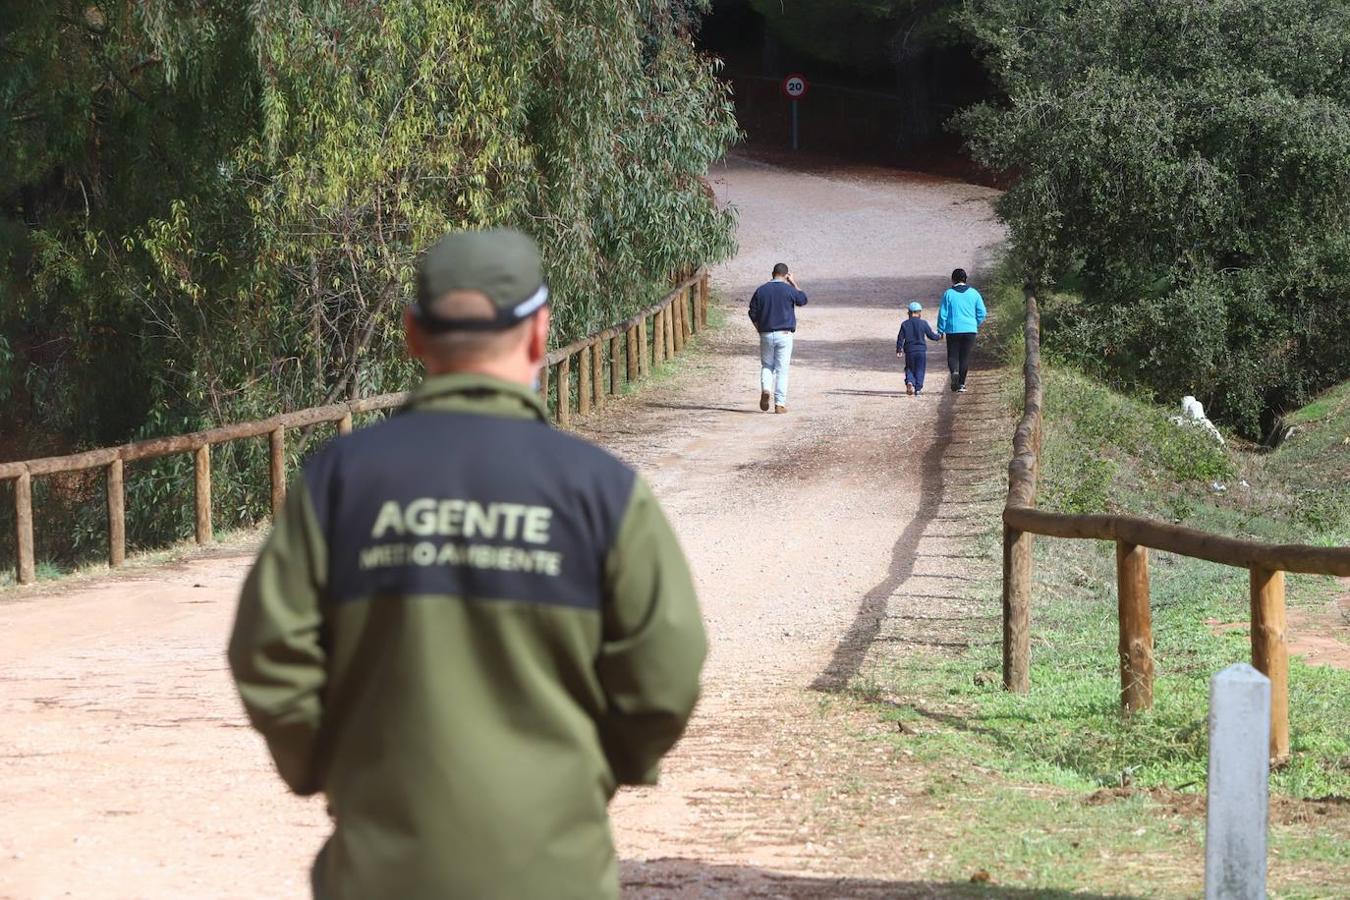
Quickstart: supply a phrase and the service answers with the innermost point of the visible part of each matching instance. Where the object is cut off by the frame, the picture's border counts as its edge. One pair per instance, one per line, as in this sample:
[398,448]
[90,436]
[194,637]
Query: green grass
[1307,480]
[1106,452]
[1061,843]
[1068,731]
[1116,843]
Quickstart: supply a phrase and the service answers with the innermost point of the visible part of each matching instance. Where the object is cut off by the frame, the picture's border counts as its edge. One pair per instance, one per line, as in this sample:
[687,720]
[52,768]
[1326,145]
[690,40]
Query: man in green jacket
[466,628]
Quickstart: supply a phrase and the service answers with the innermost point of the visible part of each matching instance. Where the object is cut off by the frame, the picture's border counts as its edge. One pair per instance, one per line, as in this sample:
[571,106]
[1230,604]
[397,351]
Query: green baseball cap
[501,263]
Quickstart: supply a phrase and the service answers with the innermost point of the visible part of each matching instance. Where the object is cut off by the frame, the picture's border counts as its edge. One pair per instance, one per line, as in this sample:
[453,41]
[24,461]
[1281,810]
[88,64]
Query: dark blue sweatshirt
[774,307]
[912,332]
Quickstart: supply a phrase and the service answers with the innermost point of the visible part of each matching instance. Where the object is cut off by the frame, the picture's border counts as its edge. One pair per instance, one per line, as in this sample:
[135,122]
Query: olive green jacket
[467,629]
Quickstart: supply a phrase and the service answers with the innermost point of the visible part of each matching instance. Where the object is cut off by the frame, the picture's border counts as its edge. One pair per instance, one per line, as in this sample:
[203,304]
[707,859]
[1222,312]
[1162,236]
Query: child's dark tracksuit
[911,340]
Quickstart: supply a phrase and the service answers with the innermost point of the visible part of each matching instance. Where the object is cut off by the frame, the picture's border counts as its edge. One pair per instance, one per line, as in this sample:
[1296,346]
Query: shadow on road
[679,878]
[852,648]
[696,407]
[847,660]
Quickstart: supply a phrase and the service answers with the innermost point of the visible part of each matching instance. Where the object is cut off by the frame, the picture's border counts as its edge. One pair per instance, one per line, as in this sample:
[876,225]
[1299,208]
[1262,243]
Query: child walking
[910,342]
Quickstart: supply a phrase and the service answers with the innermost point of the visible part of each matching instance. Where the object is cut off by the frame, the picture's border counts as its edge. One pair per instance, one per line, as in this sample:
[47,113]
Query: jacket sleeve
[944,311]
[980,312]
[653,643]
[275,652]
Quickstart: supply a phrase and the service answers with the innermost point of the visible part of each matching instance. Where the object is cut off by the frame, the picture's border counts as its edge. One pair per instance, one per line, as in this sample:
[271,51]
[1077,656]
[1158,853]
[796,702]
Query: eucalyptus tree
[211,210]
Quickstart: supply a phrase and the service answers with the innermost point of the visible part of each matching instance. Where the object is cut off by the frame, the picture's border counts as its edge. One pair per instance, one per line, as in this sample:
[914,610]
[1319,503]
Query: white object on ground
[1193,413]
[1239,772]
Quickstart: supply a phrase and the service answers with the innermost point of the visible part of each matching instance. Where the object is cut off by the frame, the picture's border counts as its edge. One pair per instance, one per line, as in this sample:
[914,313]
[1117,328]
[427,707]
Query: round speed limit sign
[794,86]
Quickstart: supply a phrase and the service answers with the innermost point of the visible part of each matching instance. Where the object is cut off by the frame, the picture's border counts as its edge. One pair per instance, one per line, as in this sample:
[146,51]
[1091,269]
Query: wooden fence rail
[1133,536]
[684,309]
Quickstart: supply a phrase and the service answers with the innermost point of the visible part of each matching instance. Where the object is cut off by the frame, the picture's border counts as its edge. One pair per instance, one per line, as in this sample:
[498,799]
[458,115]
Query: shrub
[1187,165]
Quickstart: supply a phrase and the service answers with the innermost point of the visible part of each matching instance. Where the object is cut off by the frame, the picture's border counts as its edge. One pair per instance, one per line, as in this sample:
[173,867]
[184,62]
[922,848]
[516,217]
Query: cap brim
[506,317]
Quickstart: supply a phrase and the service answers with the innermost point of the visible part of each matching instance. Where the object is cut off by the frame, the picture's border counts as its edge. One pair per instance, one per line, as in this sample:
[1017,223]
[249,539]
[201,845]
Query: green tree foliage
[1186,166]
[211,210]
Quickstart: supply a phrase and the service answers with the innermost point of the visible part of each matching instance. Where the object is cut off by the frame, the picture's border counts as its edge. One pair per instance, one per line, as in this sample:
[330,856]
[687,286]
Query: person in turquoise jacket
[960,316]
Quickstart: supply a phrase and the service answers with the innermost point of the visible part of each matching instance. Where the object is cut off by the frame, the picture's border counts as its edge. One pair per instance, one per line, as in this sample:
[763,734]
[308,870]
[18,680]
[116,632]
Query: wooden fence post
[648,339]
[345,424]
[669,320]
[615,366]
[277,447]
[598,372]
[634,360]
[658,340]
[658,337]
[674,325]
[1016,610]
[1136,627]
[584,381]
[117,518]
[653,357]
[202,465]
[26,566]
[565,392]
[1270,654]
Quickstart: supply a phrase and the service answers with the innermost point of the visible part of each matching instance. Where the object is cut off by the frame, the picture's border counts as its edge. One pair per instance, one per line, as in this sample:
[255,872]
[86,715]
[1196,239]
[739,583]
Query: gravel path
[126,769]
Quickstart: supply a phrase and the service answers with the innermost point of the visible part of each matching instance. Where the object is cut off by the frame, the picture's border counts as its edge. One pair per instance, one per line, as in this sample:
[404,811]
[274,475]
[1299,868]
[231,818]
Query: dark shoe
[764,400]
[909,389]
[780,409]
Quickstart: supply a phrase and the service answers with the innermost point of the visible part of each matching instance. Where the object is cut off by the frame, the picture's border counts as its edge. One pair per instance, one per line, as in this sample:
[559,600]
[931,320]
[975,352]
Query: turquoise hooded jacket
[962,310]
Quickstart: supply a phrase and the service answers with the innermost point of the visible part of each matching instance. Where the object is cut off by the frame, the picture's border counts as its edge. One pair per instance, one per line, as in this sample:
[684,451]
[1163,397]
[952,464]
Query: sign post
[794,88]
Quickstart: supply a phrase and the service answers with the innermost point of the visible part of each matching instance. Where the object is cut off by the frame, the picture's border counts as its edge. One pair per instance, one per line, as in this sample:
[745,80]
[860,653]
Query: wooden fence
[631,349]
[1133,536]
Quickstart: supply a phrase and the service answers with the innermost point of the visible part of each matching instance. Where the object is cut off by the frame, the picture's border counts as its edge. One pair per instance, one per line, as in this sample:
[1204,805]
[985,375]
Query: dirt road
[126,769]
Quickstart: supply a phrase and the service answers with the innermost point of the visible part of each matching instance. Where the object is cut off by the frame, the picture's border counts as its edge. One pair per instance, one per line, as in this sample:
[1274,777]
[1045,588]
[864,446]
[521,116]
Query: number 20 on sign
[794,88]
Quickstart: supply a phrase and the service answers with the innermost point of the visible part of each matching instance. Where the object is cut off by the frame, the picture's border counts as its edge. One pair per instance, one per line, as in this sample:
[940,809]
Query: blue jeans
[775,355]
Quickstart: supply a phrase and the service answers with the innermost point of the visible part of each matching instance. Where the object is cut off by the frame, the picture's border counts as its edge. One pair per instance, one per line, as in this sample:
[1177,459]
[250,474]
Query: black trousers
[959,347]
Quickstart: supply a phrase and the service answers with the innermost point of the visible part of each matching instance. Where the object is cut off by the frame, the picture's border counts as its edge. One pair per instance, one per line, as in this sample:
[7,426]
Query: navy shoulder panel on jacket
[471,505]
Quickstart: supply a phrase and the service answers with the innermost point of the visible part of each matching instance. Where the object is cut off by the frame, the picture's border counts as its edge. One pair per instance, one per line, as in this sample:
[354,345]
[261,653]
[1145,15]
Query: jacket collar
[476,394]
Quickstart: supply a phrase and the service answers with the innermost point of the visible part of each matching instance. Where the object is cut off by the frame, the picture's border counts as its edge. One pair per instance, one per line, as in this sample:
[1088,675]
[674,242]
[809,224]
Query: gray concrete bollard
[1239,773]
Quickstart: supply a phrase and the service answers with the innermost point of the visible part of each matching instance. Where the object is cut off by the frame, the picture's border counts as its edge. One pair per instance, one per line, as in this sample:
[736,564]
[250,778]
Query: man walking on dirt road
[959,317]
[773,309]
[467,629]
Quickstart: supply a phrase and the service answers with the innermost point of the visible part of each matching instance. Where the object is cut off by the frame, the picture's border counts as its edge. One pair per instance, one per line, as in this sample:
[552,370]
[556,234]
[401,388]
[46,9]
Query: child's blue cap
[915,306]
